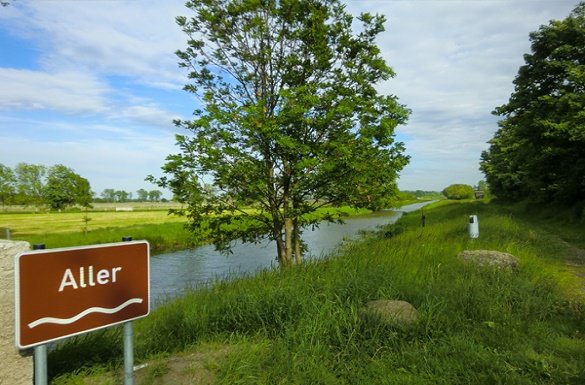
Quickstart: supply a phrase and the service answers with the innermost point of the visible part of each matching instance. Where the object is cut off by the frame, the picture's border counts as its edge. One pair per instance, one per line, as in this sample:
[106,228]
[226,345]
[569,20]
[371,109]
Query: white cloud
[77,93]
[135,39]
[70,92]
[148,114]
[455,62]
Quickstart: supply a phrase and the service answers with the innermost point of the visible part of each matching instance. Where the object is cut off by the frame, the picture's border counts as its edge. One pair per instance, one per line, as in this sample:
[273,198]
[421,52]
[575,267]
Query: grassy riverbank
[302,325]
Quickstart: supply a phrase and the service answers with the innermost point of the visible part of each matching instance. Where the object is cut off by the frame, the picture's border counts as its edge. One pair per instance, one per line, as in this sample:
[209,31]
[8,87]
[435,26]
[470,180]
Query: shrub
[458,191]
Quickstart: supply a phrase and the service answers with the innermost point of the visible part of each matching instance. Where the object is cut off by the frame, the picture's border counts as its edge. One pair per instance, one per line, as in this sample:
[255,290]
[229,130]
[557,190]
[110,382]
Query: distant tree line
[538,152]
[58,187]
[111,195]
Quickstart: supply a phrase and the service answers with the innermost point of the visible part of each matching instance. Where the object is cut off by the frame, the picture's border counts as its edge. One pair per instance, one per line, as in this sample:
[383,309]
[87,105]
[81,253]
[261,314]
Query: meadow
[104,224]
[303,325]
[101,225]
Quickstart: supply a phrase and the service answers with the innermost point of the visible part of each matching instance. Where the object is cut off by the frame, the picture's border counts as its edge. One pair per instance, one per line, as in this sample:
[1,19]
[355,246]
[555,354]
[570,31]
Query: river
[172,273]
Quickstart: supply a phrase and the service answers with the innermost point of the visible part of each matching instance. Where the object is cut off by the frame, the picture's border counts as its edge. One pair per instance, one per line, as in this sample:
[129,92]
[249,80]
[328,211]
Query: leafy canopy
[290,118]
[458,191]
[66,188]
[539,148]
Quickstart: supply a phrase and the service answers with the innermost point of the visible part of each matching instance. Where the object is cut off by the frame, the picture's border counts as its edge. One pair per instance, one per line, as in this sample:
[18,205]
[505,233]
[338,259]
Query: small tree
[459,191]
[142,195]
[121,196]
[66,188]
[30,182]
[7,185]
[154,195]
[109,195]
[291,119]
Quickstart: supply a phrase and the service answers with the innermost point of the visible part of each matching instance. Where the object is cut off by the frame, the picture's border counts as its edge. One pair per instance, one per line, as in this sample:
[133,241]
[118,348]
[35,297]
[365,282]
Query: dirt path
[574,260]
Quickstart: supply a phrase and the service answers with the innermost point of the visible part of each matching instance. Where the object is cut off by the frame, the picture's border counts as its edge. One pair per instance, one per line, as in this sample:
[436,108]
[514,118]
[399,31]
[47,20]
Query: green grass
[303,325]
[24,224]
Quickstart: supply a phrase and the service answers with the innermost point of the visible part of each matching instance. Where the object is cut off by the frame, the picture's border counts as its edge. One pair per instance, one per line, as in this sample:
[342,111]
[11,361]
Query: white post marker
[473,227]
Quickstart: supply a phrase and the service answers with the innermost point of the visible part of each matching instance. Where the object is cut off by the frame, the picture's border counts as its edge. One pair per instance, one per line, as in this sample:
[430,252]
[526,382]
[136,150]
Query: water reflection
[172,273]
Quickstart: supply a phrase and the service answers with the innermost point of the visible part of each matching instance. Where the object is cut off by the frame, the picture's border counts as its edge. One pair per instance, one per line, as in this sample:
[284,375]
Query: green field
[103,224]
[47,223]
[303,325]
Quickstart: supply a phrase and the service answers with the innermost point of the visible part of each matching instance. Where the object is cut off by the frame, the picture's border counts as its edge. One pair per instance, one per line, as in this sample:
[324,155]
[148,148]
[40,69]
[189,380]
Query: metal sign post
[40,352]
[128,345]
[40,367]
[128,354]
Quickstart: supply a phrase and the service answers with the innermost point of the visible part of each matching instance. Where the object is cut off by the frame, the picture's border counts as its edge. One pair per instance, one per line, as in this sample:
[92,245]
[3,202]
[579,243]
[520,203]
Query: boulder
[489,258]
[391,312]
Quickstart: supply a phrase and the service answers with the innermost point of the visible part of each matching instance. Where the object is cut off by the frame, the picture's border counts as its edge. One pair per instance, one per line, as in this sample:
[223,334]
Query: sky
[94,84]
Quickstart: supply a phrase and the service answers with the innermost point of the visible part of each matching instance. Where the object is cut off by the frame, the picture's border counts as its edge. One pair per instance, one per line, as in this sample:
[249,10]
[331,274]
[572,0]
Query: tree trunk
[288,239]
[297,242]
[281,250]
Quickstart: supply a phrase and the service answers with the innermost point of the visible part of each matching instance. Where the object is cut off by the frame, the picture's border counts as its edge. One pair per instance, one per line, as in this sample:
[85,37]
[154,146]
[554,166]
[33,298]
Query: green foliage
[539,148]
[36,185]
[66,188]
[291,118]
[458,191]
[30,179]
[7,185]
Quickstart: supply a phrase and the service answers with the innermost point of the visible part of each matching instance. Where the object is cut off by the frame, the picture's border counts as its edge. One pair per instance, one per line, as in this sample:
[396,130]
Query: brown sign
[64,292]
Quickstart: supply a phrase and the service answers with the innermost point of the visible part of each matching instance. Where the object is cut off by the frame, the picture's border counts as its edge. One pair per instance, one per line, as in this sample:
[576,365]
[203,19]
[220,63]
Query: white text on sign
[88,278]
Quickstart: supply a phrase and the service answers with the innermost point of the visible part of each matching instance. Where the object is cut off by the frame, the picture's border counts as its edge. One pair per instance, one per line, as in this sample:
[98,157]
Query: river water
[172,273]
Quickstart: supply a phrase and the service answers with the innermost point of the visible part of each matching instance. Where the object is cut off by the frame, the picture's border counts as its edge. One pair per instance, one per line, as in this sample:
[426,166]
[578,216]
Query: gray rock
[489,258]
[391,312]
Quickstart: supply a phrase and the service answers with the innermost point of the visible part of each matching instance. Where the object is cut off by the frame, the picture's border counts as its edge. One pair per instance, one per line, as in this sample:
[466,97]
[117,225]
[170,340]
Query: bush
[459,191]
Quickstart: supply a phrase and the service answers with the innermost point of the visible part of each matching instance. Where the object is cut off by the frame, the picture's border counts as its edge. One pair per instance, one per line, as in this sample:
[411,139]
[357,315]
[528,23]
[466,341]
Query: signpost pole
[40,352]
[41,365]
[128,346]
[128,354]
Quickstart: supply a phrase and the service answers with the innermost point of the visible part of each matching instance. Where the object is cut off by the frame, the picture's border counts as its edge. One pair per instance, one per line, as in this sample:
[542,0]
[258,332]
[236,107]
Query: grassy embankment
[302,325]
[104,225]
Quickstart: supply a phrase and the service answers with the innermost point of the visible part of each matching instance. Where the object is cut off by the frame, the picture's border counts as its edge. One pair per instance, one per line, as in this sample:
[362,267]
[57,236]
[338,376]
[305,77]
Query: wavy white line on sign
[66,321]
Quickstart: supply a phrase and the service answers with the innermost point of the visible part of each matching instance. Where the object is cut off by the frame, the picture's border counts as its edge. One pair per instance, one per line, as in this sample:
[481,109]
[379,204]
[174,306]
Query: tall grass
[303,325]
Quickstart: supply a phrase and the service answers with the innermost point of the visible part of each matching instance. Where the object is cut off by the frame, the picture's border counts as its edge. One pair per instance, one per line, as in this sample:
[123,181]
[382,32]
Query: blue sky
[94,84]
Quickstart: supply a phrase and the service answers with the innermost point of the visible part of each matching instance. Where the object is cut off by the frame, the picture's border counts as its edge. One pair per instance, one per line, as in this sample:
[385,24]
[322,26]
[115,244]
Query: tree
[539,148]
[459,191]
[7,185]
[142,195]
[154,195]
[109,195]
[290,119]
[66,188]
[121,196]
[30,181]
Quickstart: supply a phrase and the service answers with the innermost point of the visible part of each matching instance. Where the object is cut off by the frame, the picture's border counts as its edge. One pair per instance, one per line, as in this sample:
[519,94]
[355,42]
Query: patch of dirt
[188,369]
[575,262]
